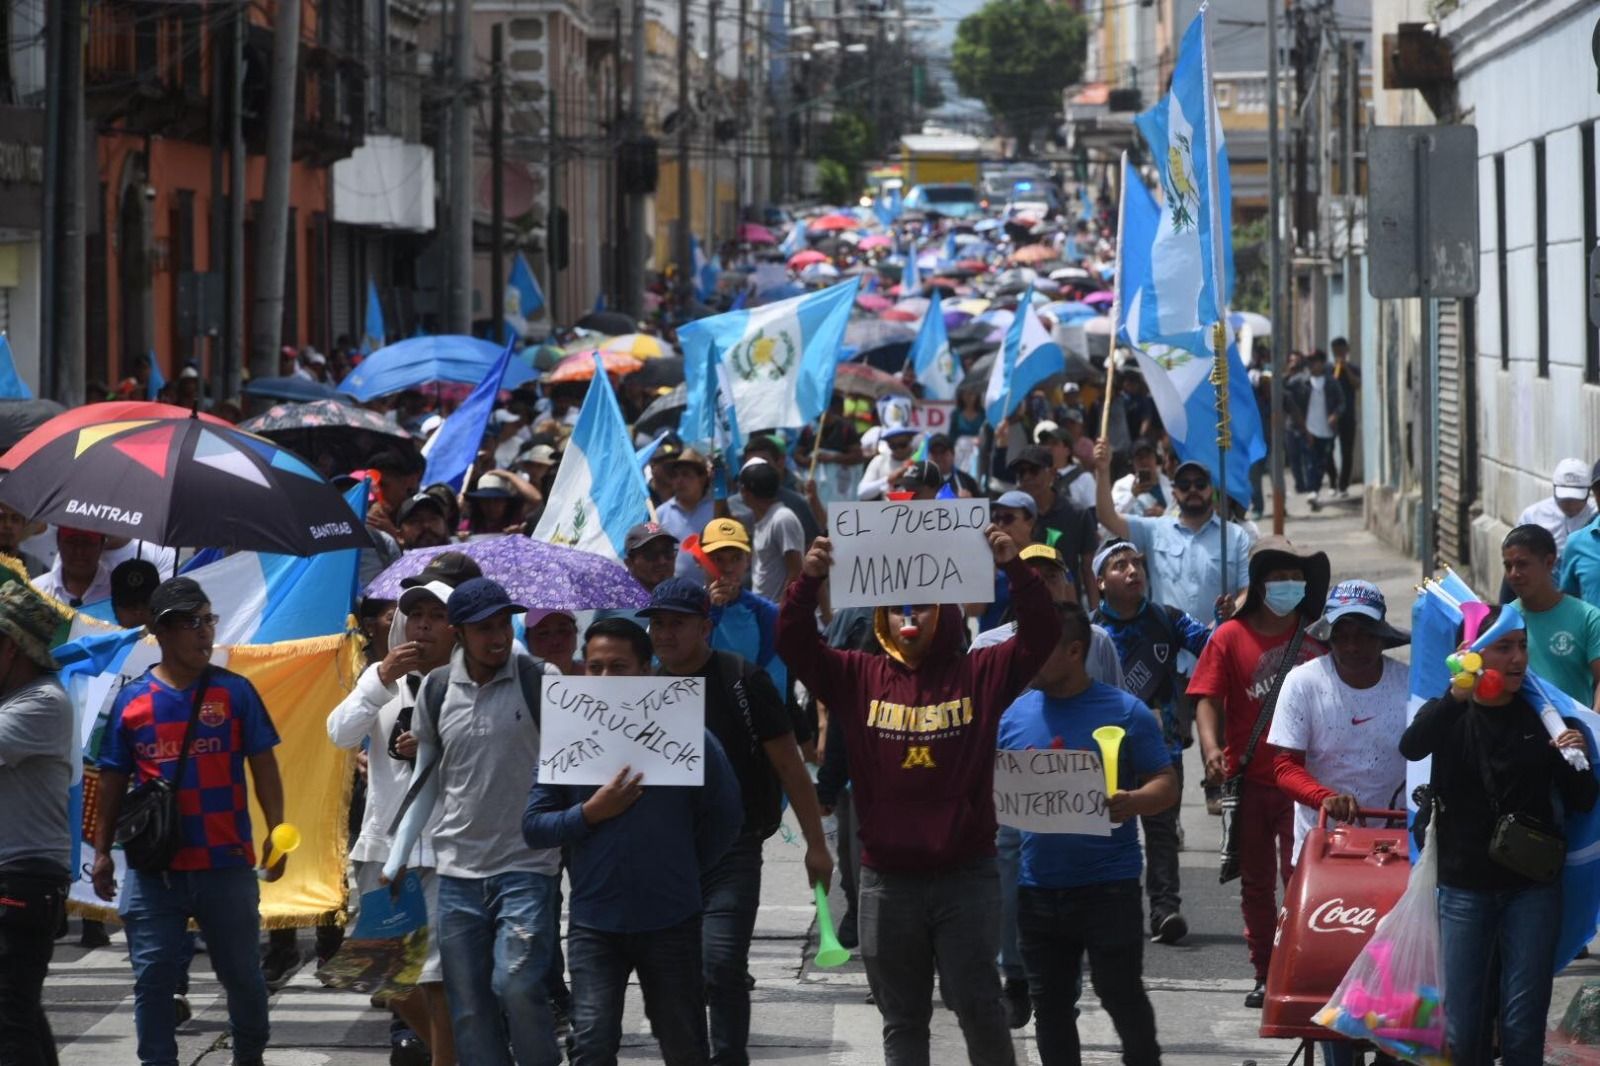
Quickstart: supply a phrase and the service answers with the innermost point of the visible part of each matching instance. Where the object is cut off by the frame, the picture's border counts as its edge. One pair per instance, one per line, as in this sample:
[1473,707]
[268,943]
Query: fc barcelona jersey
[143,738]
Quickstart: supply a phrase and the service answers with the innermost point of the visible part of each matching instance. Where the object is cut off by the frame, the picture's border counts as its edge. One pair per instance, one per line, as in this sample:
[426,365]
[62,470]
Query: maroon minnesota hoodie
[921,741]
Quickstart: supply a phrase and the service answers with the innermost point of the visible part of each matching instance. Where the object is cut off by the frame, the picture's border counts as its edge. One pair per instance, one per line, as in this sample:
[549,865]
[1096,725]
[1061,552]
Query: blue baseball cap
[1362,601]
[1018,500]
[678,595]
[477,599]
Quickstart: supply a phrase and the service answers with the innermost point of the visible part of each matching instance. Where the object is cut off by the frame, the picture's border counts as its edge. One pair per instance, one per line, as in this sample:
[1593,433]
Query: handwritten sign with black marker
[900,552]
[591,727]
[1051,790]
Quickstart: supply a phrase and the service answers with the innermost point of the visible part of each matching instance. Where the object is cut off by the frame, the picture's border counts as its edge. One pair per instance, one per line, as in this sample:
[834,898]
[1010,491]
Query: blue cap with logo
[1362,601]
[477,599]
[678,595]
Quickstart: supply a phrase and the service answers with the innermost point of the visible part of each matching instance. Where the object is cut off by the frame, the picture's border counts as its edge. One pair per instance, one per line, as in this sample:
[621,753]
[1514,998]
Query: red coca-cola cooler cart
[1348,877]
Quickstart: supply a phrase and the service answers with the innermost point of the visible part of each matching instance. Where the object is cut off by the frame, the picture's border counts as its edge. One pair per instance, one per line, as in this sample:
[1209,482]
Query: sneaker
[1257,997]
[181,1010]
[849,933]
[409,1050]
[94,934]
[1344,494]
[1170,929]
[279,964]
[1019,1006]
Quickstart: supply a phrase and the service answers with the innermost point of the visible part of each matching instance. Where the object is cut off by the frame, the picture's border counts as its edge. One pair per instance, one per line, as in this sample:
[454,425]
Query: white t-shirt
[776,533]
[1351,736]
[1317,409]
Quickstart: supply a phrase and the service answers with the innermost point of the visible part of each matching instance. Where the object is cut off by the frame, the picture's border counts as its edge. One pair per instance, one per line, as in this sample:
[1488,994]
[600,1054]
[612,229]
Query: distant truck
[939,158]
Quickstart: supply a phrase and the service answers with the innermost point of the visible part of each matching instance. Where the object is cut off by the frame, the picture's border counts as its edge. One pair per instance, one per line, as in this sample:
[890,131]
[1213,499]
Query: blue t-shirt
[1067,860]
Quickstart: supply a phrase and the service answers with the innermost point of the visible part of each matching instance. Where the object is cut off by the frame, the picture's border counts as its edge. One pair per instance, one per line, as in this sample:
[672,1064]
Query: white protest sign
[903,552]
[1051,790]
[591,727]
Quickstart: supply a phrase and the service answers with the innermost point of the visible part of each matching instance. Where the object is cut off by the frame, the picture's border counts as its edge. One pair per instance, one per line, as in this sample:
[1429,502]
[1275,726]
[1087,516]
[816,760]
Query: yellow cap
[724,533]
[1040,551]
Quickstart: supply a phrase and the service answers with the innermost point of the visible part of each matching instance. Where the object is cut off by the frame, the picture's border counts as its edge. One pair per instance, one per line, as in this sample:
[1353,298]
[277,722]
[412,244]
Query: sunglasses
[192,621]
[1185,484]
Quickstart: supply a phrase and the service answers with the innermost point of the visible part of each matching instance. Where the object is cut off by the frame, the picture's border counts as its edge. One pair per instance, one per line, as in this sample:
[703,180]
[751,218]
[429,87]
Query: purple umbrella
[537,575]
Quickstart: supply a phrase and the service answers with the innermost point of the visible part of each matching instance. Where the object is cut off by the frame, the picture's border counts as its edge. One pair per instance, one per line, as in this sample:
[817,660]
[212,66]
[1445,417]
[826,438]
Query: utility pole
[272,226]
[47,228]
[458,316]
[685,254]
[66,305]
[712,168]
[553,224]
[497,185]
[617,282]
[233,326]
[1275,264]
[742,116]
[635,250]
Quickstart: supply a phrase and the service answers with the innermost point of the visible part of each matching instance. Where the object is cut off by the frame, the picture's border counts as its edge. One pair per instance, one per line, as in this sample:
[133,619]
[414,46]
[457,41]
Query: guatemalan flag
[888,207]
[780,358]
[599,491]
[1434,625]
[707,269]
[454,446]
[1180,379]
[910,276]
[931,359]
[372,332]
[1027,357]
[524,298]
[1186,265]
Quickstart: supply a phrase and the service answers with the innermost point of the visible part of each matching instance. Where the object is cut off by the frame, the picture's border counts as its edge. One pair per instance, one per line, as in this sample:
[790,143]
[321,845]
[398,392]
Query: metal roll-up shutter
[341,300]
[1456,427]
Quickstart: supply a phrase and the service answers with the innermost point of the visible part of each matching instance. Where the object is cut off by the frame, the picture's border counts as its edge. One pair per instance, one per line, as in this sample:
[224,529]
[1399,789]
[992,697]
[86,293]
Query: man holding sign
[1079,887]
[638,854]
[920,722]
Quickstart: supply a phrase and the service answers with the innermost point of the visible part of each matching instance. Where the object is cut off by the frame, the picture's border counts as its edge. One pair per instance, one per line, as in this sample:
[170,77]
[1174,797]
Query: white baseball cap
[1572,479]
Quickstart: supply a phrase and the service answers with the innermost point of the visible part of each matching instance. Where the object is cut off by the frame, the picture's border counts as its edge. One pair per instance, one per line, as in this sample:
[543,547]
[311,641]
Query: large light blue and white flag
[1027,357]
[931,358]
[1178,287]
[373,335]
[780,357]
[599,491]
[453,447]
[795,240]
[1180,379]
[524,298]
[263,597]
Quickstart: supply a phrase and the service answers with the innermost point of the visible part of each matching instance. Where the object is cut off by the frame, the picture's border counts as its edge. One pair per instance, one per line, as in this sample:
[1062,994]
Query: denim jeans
[495,939]
[1319,461]
[913,924]
[1008,863]
[1161,876]
[226,904]
[668,964]
[1058,926]
[1518,929]
[731,892]
[28,920]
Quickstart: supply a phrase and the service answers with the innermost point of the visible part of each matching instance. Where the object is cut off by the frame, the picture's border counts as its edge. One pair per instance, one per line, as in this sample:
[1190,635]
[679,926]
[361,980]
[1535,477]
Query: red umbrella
[859,379]
[828,223]
[580,367]
[809,257]
[95,414]
[871,301]
[754,233]
[876,240]
[895,314]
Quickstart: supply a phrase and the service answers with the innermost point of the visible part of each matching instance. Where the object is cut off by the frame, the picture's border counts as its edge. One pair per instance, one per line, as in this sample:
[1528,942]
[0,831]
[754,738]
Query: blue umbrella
[410,364]
[1070,311]
[294,389]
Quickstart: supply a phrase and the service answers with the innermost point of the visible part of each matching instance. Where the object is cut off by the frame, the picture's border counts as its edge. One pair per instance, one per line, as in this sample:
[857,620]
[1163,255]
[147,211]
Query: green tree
[846,146]
[1251,277]
[1016,56]
[834,183]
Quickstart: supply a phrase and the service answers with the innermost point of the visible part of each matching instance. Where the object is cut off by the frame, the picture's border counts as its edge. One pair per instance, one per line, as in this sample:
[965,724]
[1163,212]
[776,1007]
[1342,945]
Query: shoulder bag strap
[419,777]
[1290,655]
[200,687]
